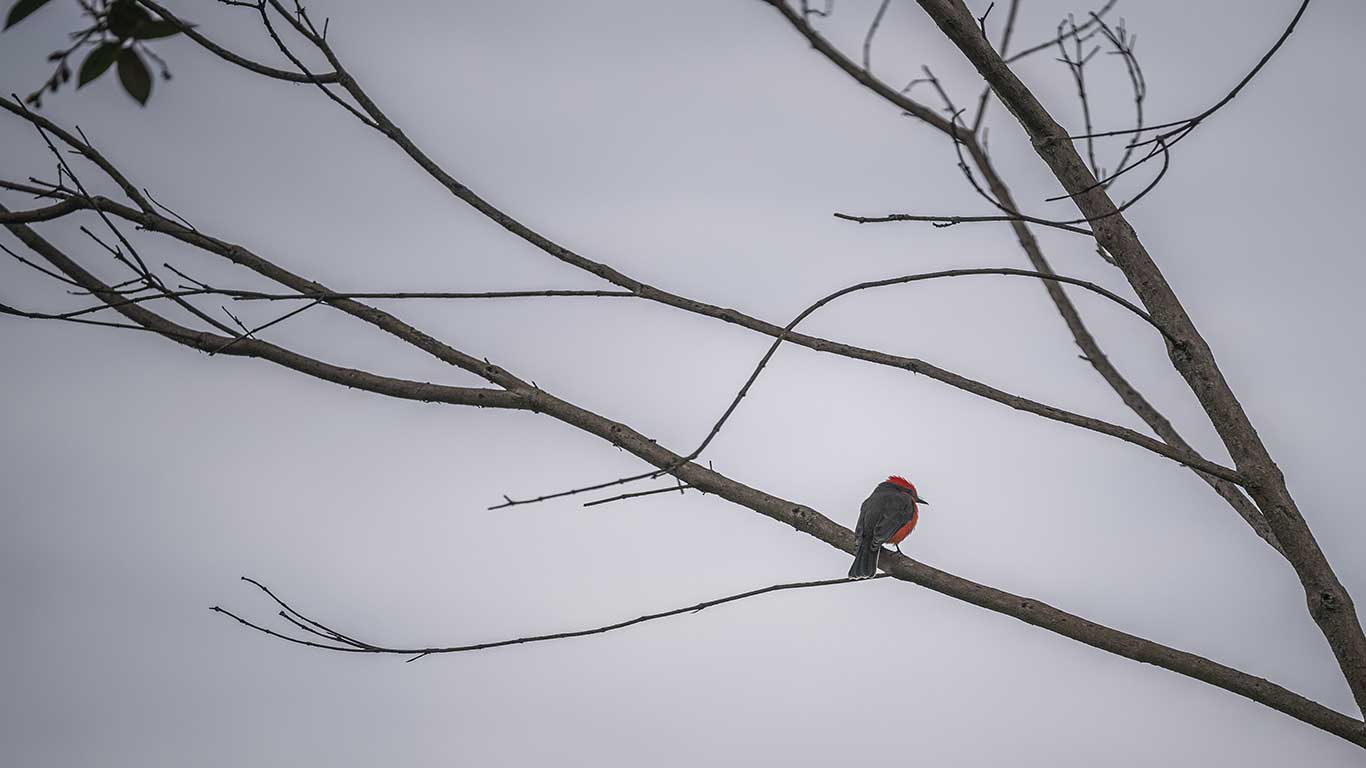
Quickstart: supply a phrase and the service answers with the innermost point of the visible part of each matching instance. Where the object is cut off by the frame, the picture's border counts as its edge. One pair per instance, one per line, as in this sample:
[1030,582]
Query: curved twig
[872,31]
[902,280]
[340,642]
[1280,41]
[1219,471]
[1182,128]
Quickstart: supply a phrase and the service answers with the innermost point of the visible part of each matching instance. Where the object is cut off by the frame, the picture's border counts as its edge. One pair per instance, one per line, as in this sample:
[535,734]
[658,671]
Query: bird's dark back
[885,510]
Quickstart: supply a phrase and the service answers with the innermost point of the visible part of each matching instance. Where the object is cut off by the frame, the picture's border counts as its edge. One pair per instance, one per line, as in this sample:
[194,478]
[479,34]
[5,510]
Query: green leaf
[21,10]
[137,81]
[152,30]
[97,62]
[124,17]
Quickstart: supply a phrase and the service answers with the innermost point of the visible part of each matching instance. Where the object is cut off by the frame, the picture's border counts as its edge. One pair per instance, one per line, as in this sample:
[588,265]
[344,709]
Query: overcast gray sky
[700,147]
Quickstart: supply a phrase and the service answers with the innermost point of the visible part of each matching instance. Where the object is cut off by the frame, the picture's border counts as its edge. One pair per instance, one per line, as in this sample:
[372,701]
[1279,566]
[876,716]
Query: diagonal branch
[238,254]
[1096,356]
[1329,603]
[1081,335]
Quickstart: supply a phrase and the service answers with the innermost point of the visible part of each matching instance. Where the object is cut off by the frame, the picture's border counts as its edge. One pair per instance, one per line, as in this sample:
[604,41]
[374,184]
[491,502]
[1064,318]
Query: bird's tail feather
[865,560]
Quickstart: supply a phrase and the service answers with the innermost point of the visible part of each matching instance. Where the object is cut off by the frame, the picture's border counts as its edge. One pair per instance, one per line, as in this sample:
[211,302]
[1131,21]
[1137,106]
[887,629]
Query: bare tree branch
[154,222]
[1000,192]
[944,221]
[1329,603]
[872,30]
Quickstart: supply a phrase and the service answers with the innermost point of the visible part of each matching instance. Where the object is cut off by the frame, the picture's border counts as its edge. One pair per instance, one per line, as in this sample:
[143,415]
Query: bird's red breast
[906,529]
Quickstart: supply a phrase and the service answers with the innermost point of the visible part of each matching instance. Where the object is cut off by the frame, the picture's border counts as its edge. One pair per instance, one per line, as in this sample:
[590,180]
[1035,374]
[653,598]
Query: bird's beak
[919,500]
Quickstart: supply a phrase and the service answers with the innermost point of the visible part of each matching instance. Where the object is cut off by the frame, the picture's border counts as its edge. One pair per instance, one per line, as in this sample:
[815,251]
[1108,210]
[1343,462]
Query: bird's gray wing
[893,511]
[867,517]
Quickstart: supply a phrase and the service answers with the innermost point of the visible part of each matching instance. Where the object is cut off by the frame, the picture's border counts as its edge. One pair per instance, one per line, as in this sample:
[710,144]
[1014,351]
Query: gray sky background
[700,147]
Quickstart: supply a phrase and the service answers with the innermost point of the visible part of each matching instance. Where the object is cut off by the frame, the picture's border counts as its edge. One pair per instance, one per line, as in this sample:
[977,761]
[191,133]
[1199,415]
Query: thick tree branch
[1329,602]
[1096,356]
[1028,610]
[1090,348]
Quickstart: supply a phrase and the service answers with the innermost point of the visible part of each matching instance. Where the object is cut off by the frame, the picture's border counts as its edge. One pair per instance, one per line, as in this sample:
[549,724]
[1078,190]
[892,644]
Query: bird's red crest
[898,480]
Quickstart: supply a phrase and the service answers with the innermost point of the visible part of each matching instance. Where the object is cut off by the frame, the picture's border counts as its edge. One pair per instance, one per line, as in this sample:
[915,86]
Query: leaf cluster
[116,37]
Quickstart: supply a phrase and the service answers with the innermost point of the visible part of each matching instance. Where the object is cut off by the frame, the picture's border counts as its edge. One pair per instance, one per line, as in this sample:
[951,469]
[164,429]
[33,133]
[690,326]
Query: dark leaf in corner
[21,10]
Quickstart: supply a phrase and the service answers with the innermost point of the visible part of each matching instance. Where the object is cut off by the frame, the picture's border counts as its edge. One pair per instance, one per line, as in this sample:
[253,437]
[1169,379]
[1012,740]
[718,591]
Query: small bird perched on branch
[886,517]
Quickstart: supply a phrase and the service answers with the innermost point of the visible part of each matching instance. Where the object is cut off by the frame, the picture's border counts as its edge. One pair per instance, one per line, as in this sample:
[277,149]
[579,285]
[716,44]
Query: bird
[887,516]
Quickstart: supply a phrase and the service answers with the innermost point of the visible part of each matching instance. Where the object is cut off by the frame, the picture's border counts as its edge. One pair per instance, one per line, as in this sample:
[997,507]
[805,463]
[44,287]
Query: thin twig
[678,488]
[251,333]
[1054,41]
[982,20]
[872,30]
[341,642]
[1183,128]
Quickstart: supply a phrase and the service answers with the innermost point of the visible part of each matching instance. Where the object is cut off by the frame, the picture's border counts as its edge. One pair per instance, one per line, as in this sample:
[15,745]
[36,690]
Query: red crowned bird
[886,517]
